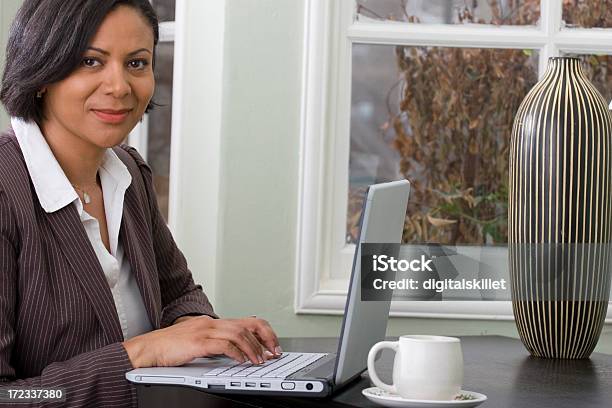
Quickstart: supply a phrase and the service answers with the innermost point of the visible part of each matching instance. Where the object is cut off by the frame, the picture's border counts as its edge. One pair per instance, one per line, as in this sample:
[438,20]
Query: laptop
[308,374]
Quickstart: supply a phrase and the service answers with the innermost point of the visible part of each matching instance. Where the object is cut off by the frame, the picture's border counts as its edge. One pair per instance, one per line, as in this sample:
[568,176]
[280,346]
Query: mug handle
[393,345]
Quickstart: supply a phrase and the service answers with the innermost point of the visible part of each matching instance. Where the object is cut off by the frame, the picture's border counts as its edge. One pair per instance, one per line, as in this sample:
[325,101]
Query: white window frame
[139,136]
[195,211]
[329,33]
[195,153]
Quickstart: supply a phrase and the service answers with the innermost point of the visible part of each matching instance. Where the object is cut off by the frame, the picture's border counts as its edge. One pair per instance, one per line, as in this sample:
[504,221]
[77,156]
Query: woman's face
[105,97]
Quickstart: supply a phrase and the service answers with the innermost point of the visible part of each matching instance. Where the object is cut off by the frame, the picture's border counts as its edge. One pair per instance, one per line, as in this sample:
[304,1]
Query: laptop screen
[365,322]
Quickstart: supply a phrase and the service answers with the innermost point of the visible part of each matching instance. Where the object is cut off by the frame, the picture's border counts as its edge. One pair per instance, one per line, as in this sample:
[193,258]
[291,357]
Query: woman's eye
[138,64]
[90,62]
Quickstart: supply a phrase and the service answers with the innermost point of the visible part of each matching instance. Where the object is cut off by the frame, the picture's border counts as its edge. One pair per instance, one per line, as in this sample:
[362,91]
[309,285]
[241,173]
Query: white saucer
[387,399]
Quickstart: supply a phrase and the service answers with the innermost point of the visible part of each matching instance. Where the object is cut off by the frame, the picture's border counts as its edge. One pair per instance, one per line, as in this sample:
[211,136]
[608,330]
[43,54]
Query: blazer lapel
[86,268]
[132,245]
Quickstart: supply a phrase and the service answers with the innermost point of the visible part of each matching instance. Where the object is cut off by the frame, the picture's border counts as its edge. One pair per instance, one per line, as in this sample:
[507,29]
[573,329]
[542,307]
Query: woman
[91,281]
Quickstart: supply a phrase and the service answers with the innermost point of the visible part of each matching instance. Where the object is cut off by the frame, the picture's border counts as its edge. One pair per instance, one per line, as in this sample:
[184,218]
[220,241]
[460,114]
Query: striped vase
[560,213]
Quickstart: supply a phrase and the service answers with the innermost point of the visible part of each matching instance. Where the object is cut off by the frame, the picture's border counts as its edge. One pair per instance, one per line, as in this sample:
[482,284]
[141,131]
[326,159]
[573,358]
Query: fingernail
[268,354]
[278,350]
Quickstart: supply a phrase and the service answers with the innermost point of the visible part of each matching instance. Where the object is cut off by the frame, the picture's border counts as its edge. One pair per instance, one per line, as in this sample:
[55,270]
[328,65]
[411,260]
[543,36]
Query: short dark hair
[47,41]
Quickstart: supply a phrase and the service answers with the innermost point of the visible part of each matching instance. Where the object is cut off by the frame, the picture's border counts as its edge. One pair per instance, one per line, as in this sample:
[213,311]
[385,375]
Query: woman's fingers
[225,347]
[265,334]
[243,332]
[241,337]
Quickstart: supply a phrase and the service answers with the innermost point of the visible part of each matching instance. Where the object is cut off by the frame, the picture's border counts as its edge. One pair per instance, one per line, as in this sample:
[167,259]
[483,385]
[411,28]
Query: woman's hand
[191,337]
[259,327]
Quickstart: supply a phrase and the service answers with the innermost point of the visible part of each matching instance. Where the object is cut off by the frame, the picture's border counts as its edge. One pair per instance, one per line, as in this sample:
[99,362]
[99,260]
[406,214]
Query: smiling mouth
[111,116]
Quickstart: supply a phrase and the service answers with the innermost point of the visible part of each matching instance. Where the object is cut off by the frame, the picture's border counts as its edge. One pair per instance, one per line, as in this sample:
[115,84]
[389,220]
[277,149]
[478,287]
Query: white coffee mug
[424,368]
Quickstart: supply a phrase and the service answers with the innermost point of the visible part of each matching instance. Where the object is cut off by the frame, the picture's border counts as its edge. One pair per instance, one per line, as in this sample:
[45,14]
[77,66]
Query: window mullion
[166,31]
[584,40]
[550,17]
[446,35]
[139,137]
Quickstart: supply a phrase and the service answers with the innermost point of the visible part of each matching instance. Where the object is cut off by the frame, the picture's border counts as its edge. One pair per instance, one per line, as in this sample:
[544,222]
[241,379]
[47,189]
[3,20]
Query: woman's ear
[41,92]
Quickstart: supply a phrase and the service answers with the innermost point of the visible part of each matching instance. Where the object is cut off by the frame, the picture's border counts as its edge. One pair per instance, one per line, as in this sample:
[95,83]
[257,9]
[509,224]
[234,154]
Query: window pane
[498,12]
[160,120]
[599,70]
[587,13]
[442,118]
[164,9]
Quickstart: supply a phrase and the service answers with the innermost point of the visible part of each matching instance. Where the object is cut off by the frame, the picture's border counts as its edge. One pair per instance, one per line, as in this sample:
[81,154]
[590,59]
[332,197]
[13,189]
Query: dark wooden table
[499,367]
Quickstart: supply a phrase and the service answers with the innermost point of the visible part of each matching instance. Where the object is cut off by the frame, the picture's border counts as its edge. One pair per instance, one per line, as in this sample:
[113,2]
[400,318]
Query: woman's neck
[79,158]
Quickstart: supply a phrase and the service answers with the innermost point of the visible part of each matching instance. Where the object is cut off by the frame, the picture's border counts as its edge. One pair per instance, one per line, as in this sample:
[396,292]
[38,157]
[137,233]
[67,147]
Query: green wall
[8,9]
[263,56]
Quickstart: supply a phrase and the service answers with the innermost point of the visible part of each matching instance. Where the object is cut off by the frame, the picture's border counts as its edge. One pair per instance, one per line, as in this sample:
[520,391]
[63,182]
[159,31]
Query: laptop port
[265,385]
[235,384]
[250,385]
[288,385]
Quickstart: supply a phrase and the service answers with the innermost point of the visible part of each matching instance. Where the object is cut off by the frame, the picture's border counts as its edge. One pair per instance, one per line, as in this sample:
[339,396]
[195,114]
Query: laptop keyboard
[285,365]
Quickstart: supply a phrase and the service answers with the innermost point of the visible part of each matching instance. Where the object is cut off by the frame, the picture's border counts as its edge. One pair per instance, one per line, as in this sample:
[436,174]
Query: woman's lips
[111,116]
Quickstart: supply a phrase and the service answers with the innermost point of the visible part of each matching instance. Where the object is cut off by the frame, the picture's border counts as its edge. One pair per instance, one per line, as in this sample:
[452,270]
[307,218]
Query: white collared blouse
[54,192]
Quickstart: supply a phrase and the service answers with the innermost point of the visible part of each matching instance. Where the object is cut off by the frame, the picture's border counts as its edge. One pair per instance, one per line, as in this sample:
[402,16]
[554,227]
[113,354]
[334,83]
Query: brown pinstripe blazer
[58,322]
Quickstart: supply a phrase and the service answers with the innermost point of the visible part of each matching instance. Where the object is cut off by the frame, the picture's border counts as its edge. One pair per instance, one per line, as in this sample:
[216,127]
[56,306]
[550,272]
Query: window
[587,13]
[152,137]
[165,9]
[425,90]
[599,69]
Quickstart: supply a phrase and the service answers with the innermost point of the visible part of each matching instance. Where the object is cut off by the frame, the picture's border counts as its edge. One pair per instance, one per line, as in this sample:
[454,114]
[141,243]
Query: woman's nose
[116,82]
